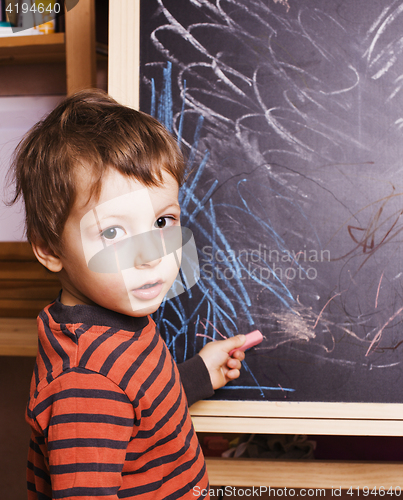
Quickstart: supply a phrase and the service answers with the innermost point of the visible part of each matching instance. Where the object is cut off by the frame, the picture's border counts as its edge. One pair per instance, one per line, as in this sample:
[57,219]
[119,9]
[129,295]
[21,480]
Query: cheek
[109,291]
[109,283]
[169,268]
[100,285]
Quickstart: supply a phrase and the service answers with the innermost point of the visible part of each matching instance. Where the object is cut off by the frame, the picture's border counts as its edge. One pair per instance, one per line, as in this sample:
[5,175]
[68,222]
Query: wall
[17,116]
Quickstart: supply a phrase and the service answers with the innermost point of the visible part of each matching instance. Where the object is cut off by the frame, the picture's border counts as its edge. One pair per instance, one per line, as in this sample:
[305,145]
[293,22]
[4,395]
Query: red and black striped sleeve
[87,424]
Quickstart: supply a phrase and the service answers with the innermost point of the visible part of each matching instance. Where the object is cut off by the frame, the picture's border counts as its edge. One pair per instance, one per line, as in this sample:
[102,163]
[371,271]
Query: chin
[143,310]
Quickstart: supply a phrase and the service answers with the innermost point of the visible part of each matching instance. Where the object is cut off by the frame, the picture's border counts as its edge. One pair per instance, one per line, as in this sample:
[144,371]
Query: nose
[148,249]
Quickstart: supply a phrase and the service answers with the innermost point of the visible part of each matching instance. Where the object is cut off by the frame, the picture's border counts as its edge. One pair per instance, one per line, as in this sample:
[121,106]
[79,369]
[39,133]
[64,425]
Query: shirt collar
[95,315]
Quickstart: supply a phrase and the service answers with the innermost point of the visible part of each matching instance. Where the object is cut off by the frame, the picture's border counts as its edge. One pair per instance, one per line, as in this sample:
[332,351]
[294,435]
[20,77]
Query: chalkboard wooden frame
[356,419]
[359,419]
[124,51]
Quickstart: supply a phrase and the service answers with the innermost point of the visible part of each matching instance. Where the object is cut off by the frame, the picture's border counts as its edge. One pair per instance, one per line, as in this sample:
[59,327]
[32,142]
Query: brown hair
[92,129]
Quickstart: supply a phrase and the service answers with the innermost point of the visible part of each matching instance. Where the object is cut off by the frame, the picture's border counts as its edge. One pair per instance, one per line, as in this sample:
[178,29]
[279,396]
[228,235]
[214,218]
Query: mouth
[148,291]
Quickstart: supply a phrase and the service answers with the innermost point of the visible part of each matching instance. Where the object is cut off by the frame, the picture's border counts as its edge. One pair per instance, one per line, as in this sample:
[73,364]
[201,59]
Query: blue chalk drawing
[292,128]
[200,215]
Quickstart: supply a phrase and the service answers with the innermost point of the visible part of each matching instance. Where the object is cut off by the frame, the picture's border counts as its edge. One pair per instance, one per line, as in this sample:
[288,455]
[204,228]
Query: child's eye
[112,233]
[162,222]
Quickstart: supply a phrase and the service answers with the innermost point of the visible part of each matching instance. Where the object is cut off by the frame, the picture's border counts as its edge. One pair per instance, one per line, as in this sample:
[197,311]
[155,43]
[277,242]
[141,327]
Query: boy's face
[100,235]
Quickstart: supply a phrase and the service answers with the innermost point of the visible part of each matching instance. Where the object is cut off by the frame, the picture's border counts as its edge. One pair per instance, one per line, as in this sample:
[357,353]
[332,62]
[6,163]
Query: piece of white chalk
[252,338]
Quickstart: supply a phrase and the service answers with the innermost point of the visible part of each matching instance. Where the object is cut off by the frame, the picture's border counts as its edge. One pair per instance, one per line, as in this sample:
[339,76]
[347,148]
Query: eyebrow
[171,205]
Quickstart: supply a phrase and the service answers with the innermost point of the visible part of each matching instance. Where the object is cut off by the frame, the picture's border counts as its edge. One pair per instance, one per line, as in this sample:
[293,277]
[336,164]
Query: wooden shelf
[304,474]
[18,337]
[32,49]
[26,287]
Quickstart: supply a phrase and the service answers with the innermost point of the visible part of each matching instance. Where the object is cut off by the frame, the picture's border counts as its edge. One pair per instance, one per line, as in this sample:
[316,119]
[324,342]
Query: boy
[108,414]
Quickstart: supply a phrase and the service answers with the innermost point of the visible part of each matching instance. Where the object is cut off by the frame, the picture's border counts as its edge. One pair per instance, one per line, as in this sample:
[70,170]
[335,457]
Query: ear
[47,257]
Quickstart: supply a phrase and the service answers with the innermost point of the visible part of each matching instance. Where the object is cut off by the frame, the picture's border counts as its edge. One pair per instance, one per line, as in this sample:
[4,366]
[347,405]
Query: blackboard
[290,113]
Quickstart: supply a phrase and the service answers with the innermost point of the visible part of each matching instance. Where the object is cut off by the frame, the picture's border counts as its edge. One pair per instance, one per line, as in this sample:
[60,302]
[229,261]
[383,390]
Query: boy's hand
[220,365]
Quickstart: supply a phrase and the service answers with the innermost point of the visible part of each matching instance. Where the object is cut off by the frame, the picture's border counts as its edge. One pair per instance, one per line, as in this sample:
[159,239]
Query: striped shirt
[108,414]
